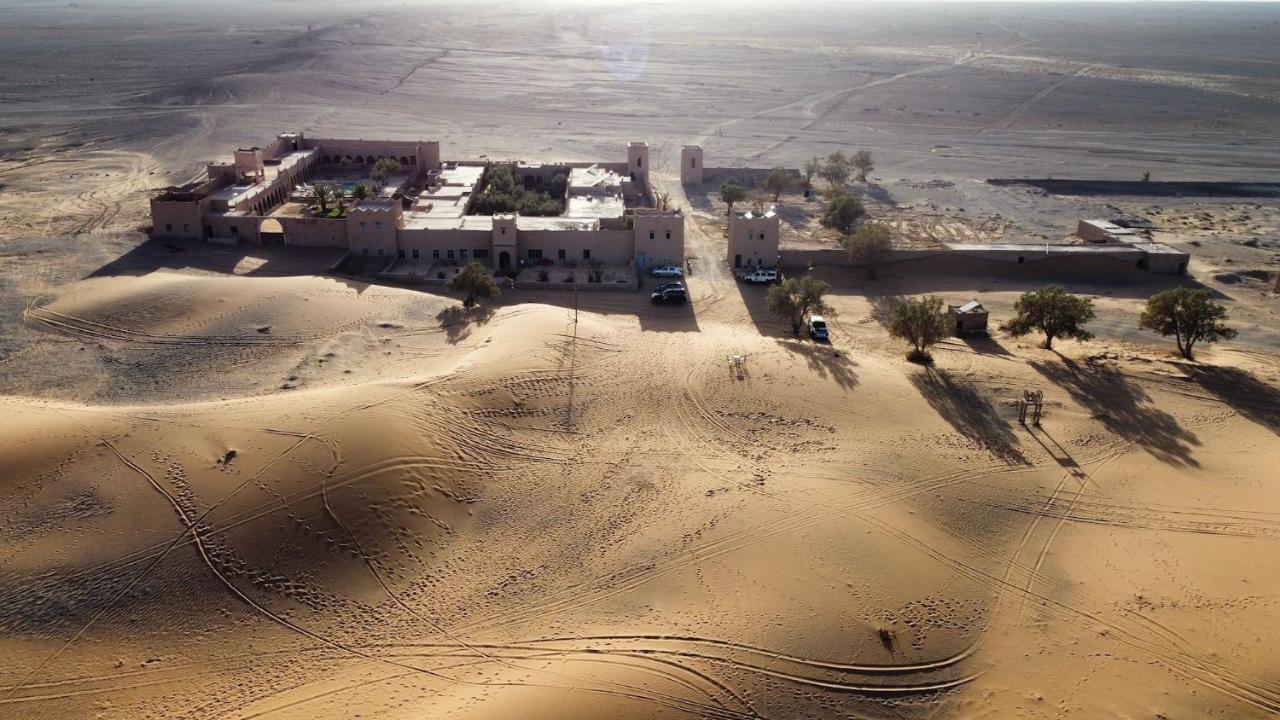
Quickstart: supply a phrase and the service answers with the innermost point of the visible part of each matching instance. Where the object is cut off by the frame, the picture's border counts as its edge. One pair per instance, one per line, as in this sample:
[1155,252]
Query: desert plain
[236,485]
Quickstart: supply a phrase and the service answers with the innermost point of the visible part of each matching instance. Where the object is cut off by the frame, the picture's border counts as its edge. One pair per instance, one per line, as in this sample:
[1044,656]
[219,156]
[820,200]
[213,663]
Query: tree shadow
[826,361]
[983,344]
[1124,408]
[879,193]
[457,321]
[882,306]
[969,413]
[1254,399]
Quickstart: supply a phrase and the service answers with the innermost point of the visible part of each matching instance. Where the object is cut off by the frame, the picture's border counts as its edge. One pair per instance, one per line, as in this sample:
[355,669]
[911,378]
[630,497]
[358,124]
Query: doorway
[504,260]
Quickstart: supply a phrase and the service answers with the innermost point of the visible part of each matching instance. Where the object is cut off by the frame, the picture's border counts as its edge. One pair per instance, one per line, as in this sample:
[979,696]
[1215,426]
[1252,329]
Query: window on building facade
[186,227]
[586,253]
[379,252]
[400,253]
[377,226]
[168,228]
[449,254]
[535,254]
[652,234]
[435,254]
[751,236]
[560,254]
[362,227]
[415,254]
[481,253]
[364,251]
[668,234]
[462,254]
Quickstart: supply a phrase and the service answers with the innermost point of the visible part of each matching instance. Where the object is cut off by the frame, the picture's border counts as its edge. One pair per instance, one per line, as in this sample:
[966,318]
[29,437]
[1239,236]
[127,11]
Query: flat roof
[440,207]
[465,222]
[465,175]
[594,206]
[594,178]
[556,223]
[1156,248]
[749,215]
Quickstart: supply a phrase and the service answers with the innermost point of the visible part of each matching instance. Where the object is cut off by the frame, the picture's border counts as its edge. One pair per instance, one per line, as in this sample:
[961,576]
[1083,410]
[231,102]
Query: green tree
[323,193]
[794,298]
[731,192]
[383,169]
[361,192]
[843,210]
[811,168]
[921,323]
[778,182]
[1053,311]
[475,282]
[1189,315]
[867,245]
[863,163]
[835,170]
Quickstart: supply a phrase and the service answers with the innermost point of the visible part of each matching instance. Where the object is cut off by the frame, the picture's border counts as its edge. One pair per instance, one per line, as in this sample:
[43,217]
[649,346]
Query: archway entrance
[271,232]
[504,260]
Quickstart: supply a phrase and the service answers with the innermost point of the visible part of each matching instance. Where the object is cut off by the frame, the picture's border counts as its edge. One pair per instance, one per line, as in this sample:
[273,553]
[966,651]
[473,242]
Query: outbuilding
[970,317]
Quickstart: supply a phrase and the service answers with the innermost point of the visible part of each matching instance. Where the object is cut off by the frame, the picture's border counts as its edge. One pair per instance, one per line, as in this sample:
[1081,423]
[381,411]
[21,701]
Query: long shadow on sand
[248,260]
[1244,393]
[457,321]
[969,413]
[824,360]
[1124,408]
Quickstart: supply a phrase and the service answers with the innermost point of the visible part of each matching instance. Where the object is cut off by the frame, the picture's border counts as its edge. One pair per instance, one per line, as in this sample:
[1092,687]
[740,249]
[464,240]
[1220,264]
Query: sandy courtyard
[235,486]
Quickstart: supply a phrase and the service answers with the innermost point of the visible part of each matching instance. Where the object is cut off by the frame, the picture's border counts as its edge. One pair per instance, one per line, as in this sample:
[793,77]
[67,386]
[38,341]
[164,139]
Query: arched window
[326,160]
[359,159]
[404,160]
[413,159]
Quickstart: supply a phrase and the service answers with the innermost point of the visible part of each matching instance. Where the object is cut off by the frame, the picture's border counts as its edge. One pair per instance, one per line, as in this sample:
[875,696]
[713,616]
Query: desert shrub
[1053,311]
[1189,315]
[474,282]
[794,298]
[921,323]
[843,210]
[731,191]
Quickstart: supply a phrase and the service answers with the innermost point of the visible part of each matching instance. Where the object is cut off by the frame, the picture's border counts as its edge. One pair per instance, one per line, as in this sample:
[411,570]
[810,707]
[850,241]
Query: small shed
[970,317]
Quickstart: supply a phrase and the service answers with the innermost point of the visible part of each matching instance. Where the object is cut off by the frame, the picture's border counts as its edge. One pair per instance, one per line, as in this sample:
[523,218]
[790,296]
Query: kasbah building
[422,214]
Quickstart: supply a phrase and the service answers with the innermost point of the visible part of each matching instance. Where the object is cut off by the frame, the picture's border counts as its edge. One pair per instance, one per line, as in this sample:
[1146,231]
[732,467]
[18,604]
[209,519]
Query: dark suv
[670,295]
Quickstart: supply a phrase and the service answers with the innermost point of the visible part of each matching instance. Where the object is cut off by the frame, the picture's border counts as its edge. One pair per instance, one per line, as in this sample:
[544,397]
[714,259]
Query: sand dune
[234,486]
[565,522]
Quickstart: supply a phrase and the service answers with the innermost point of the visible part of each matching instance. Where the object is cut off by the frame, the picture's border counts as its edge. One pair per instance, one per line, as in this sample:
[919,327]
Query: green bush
[502,194]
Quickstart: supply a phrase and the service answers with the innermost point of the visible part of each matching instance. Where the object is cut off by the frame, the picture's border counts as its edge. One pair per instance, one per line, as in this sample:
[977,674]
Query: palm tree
[360,192]
[323,192]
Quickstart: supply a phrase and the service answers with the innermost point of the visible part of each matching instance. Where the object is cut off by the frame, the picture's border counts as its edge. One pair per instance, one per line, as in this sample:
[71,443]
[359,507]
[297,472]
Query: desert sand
[235,486]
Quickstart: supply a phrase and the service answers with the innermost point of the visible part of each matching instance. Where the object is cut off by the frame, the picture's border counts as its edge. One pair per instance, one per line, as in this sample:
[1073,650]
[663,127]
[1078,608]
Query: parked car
[818,328]
[761,276]
[668,271]
[674,295]
[676,284]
